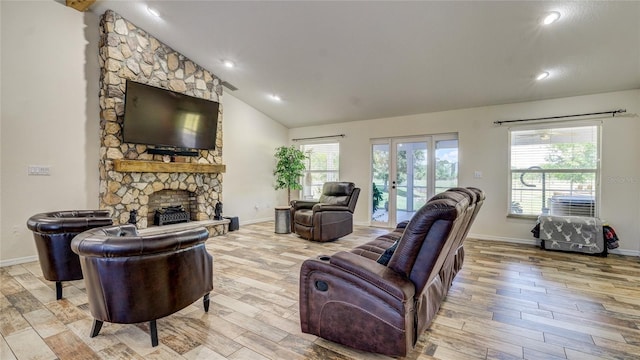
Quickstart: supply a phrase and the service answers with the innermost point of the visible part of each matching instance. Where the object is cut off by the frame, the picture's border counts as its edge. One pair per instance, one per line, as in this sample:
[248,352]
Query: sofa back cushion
[336,193]
[428,238]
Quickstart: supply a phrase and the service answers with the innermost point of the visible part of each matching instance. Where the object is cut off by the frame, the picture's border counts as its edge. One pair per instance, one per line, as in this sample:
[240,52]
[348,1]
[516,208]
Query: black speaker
[234,224]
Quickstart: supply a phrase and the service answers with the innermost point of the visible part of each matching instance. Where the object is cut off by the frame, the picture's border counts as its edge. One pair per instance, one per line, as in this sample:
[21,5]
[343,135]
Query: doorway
[407,171]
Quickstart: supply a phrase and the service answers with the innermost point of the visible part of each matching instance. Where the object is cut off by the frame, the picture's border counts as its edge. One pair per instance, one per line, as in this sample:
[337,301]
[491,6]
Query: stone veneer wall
[128,52]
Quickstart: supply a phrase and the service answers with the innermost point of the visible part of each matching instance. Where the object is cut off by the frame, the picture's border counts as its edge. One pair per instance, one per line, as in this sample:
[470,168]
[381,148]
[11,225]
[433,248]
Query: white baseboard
[624,252]
[255,221]
[504,239]
[17,261]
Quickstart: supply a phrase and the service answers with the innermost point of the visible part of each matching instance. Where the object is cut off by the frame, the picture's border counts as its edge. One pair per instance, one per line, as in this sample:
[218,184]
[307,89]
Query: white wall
[250,139]
[483,147]
[49,116]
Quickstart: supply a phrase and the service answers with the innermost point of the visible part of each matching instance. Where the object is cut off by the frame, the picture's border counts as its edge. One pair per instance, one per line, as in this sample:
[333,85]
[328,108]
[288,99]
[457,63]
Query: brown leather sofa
[329,218]
[353,298]
[53,232]
[132,278]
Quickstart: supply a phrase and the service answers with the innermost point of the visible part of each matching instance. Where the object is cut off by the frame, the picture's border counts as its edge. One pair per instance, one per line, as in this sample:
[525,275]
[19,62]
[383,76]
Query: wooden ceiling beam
[80,5]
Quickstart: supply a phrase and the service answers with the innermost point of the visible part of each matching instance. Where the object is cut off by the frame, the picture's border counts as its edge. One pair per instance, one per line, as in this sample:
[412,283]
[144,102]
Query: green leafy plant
[289,169]
[377,197]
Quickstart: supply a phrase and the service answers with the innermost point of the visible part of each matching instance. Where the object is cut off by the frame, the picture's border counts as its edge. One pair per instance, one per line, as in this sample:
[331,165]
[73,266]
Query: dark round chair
[53,232]
[132,278]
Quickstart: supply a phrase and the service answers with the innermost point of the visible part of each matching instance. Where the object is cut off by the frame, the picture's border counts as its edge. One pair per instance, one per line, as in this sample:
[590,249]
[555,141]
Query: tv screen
[155,116]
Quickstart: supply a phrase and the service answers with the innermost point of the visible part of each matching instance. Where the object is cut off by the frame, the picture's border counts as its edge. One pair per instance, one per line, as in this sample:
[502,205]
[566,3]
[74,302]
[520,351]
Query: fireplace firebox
[170,215]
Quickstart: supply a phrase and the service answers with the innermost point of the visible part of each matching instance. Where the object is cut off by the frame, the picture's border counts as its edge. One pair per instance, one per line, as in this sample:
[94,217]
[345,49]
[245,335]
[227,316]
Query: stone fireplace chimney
[129,53]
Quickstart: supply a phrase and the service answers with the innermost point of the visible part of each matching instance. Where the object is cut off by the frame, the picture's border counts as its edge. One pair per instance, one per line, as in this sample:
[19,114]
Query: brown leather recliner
[353,298]
[53,232]
[330,217]
[132,278]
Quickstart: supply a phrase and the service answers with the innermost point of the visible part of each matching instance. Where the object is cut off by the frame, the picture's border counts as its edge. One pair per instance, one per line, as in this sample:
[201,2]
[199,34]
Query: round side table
[283,220]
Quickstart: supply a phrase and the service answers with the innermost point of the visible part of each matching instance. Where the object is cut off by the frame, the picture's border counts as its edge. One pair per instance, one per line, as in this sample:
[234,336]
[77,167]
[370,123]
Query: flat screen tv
[155,116]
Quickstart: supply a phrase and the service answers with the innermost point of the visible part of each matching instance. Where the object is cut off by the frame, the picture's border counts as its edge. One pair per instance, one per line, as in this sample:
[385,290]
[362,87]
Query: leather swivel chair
[354,299]
[329,218]
[53,232]
[132,278]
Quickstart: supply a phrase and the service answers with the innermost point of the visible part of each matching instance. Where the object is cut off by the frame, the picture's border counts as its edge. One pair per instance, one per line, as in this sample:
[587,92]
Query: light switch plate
[38,170]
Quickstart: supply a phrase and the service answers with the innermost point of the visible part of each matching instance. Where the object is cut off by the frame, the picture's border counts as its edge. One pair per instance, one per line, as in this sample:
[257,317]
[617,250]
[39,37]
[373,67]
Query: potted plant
[289,169]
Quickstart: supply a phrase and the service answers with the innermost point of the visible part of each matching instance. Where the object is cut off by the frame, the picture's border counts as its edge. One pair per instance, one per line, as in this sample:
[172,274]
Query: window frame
[301,146]
[550,125]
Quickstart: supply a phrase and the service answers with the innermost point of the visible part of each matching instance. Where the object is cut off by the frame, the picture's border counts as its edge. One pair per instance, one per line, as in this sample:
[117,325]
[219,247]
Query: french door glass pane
[380,186]
[411,178]
[446,165]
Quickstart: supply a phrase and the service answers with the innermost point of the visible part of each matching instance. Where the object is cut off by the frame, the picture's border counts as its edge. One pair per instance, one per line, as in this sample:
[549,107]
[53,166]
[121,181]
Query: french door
[406,172]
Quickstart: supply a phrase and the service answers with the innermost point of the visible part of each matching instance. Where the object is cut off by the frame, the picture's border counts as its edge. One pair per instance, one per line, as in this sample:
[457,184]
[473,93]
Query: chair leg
[153,330]
[95,329]
[205,301]
[58,290]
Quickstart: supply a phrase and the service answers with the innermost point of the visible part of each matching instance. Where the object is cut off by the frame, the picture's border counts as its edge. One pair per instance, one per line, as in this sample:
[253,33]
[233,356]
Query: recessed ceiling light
[153,11]
[543,75]
[228,63]
[275,97]
[551,18]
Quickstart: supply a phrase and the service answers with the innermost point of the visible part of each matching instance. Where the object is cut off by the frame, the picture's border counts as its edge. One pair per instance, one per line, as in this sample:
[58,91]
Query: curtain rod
[612,112]
[318,137]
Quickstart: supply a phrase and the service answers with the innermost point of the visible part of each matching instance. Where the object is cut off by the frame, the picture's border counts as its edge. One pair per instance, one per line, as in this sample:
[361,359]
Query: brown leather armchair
[53,232]
[330,217]
[356,299]
[132,278]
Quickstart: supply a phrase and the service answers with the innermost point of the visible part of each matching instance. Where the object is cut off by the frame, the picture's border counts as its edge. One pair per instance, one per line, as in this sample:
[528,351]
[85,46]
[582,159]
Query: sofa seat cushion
[373,249]
[304,217]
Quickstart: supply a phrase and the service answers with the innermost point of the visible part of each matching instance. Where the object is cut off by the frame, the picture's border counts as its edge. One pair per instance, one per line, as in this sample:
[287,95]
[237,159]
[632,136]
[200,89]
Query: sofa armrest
[376,274]
[302,204]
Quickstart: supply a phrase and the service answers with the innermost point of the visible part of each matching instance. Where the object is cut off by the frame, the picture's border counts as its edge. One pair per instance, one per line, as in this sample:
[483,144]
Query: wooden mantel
[80,5]
[123,165]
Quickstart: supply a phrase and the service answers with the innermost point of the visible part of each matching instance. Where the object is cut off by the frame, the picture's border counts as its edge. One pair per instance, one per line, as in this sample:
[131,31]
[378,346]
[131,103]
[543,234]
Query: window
[554,170]
[322,166]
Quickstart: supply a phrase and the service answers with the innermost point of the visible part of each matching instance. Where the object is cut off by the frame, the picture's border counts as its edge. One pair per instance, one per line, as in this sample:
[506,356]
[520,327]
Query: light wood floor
[510,301]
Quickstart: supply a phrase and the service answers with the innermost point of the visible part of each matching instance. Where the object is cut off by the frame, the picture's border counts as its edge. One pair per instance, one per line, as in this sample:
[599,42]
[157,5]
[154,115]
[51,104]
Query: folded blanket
[576,233]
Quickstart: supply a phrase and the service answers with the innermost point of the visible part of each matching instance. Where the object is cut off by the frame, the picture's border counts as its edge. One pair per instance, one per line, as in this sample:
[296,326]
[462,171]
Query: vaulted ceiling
[335,61]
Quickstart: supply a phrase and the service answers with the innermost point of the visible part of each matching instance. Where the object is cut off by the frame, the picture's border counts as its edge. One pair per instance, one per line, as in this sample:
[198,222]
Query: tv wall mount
[171,152]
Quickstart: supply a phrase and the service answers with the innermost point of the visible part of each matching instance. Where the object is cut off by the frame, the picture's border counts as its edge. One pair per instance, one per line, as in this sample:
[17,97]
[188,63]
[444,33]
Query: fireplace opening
[171,207]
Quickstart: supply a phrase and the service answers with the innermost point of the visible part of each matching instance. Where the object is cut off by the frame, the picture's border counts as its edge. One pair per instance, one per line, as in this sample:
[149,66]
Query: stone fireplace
[130,178]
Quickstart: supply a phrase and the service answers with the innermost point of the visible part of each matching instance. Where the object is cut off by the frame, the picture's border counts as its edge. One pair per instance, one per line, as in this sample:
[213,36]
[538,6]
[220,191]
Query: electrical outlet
[477,174]
[39,170]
